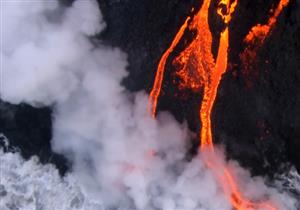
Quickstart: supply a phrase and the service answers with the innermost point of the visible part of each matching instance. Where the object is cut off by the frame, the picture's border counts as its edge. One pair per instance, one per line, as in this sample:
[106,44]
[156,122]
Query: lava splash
[197,69]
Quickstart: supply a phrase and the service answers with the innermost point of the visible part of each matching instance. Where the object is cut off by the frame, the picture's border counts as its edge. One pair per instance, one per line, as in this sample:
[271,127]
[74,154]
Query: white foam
[29,185]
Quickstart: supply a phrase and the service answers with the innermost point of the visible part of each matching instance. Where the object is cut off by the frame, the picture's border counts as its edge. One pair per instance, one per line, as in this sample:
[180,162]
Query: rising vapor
[122,158]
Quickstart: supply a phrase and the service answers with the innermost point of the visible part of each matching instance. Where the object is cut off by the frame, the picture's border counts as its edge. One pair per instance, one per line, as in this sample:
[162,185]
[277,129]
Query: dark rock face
[28,130]
[259,125]
[143,30]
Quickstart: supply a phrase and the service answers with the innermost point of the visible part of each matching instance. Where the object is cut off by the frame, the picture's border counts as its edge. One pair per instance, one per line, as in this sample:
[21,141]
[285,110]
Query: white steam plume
[122,158]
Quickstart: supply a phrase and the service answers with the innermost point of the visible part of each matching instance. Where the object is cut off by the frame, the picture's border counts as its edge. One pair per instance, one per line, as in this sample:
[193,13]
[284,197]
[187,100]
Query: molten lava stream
[260,32]
[161,69]
[254,40]
[197,69]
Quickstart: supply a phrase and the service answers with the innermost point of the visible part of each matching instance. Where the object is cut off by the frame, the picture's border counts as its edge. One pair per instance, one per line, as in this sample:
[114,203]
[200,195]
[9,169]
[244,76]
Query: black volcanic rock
[143,30]
[259,125]
[28,130]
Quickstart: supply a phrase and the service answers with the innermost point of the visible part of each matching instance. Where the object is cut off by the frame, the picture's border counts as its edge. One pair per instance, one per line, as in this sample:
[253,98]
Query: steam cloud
[122,158]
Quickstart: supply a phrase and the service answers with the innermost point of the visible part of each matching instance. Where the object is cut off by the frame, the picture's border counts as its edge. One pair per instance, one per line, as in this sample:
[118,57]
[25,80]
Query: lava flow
[197,69]
[254,40]
[161,69]
[259,32]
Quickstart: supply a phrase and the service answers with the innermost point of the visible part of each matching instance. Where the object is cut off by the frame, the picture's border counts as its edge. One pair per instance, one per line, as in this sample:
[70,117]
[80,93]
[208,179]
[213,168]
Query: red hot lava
[255,39]
[198,69]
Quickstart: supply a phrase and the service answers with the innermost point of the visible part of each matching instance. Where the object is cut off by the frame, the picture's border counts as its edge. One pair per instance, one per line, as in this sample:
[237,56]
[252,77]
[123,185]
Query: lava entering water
[198,69]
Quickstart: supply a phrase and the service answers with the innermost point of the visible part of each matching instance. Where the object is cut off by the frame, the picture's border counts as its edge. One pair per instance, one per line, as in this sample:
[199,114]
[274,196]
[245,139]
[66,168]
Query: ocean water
[29,185]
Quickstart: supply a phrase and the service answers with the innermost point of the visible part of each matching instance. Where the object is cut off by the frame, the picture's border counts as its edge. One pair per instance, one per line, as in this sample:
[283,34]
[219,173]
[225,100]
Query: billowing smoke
[122,159]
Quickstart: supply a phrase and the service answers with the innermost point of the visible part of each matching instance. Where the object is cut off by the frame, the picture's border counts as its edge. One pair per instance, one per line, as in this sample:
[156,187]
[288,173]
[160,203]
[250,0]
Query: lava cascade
[198,69]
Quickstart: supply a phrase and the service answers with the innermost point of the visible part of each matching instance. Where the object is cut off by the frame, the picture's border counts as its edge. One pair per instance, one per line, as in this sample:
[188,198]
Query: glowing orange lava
[254,40]
[197,69]
[161,69]
[259,32]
